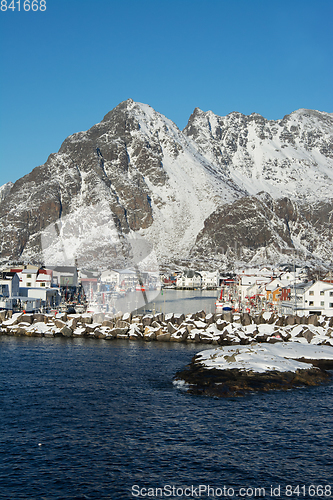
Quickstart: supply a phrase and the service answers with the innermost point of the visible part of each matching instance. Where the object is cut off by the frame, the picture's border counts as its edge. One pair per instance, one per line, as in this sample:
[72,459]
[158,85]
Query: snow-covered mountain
[291,157]
[135,176]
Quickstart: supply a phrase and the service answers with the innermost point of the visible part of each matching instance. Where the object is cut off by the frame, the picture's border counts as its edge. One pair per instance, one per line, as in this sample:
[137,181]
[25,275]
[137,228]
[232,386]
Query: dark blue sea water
[94,419]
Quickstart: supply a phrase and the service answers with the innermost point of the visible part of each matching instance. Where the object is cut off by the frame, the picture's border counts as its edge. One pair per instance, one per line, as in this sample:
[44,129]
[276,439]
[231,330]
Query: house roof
[64,269]
[125,271]
[7,275]
[324,285]
[277,283]
[44,278]
[301,286]
[191,274]
[45,271]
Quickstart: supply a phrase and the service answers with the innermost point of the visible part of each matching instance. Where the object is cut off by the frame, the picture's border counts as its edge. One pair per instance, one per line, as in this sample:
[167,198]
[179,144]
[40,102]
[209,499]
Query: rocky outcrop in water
[237,371]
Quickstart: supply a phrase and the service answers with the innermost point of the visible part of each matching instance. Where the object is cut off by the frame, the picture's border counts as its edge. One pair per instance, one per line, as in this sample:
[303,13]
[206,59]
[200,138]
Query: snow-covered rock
[238,370]
[261,358]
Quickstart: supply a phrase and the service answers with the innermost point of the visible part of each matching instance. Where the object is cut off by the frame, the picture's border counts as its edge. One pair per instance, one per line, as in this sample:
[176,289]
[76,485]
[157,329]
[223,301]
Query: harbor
[67,289]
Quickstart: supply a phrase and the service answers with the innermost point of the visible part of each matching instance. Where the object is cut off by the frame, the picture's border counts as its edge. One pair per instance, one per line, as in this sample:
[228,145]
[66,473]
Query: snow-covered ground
[260,358]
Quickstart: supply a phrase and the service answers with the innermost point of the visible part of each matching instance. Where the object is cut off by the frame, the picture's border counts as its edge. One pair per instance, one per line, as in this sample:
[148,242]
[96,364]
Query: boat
[222,305]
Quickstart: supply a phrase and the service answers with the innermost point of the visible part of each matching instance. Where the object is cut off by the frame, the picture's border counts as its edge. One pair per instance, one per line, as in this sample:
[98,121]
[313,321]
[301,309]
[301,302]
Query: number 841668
[25,5]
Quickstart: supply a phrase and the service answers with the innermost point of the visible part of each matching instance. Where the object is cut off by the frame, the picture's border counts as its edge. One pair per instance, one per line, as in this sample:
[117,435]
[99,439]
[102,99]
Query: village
[286,290]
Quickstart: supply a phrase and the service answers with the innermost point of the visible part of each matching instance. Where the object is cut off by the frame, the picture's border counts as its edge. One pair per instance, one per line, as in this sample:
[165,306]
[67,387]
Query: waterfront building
[9,289]
[65,276]
[45,297]
[310,298]
[9,284]
[209,279]
[189,280]
[251,285]
[120,278]
[35,278]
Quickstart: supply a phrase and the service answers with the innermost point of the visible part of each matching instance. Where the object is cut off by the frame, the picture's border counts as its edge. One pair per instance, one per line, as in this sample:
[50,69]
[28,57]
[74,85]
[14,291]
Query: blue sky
[63,69]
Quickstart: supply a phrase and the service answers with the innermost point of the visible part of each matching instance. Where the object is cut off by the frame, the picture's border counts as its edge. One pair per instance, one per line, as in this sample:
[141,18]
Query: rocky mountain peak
[292,155]
[244,180]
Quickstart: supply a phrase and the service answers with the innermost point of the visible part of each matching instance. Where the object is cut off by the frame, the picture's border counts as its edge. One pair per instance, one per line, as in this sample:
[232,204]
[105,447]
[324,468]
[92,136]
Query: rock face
[266,230]
[289,156]
[231,383]
[236,371]
[222,183]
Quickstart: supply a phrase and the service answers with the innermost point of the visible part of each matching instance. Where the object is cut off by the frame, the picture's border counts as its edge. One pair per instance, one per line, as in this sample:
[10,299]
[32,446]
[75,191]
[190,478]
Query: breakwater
[201,328]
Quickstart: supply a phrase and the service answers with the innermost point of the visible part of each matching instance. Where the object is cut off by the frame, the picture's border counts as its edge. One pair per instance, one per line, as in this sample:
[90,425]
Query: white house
[319,298]
[35,278]
[188,279]
[249,285]
[28,277]
[292,276]
[310,298]
[121,278]
[209,279]
[44,278]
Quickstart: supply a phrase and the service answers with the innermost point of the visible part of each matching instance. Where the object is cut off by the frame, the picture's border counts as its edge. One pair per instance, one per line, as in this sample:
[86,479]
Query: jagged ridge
[184,191]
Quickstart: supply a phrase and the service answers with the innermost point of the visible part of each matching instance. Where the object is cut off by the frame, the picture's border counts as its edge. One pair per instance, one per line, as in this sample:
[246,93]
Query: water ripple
[88,419]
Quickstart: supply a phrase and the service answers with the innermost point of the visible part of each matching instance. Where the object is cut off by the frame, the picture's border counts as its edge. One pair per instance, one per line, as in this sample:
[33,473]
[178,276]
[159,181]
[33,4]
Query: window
[42,284]
[331,294]
[331,304]
[311,292]
[28,284]
[311,303]
[322,303]
[29,276]
[322,293]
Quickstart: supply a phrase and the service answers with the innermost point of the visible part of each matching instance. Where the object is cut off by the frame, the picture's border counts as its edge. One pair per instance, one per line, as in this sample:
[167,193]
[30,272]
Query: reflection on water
[159,301]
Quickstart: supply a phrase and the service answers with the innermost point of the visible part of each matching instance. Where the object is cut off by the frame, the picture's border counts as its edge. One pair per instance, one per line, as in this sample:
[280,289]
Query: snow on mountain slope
[185,194]
[4,190]
[259,229]
[151,153]
[149,179]
[135,162]
[290,157]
